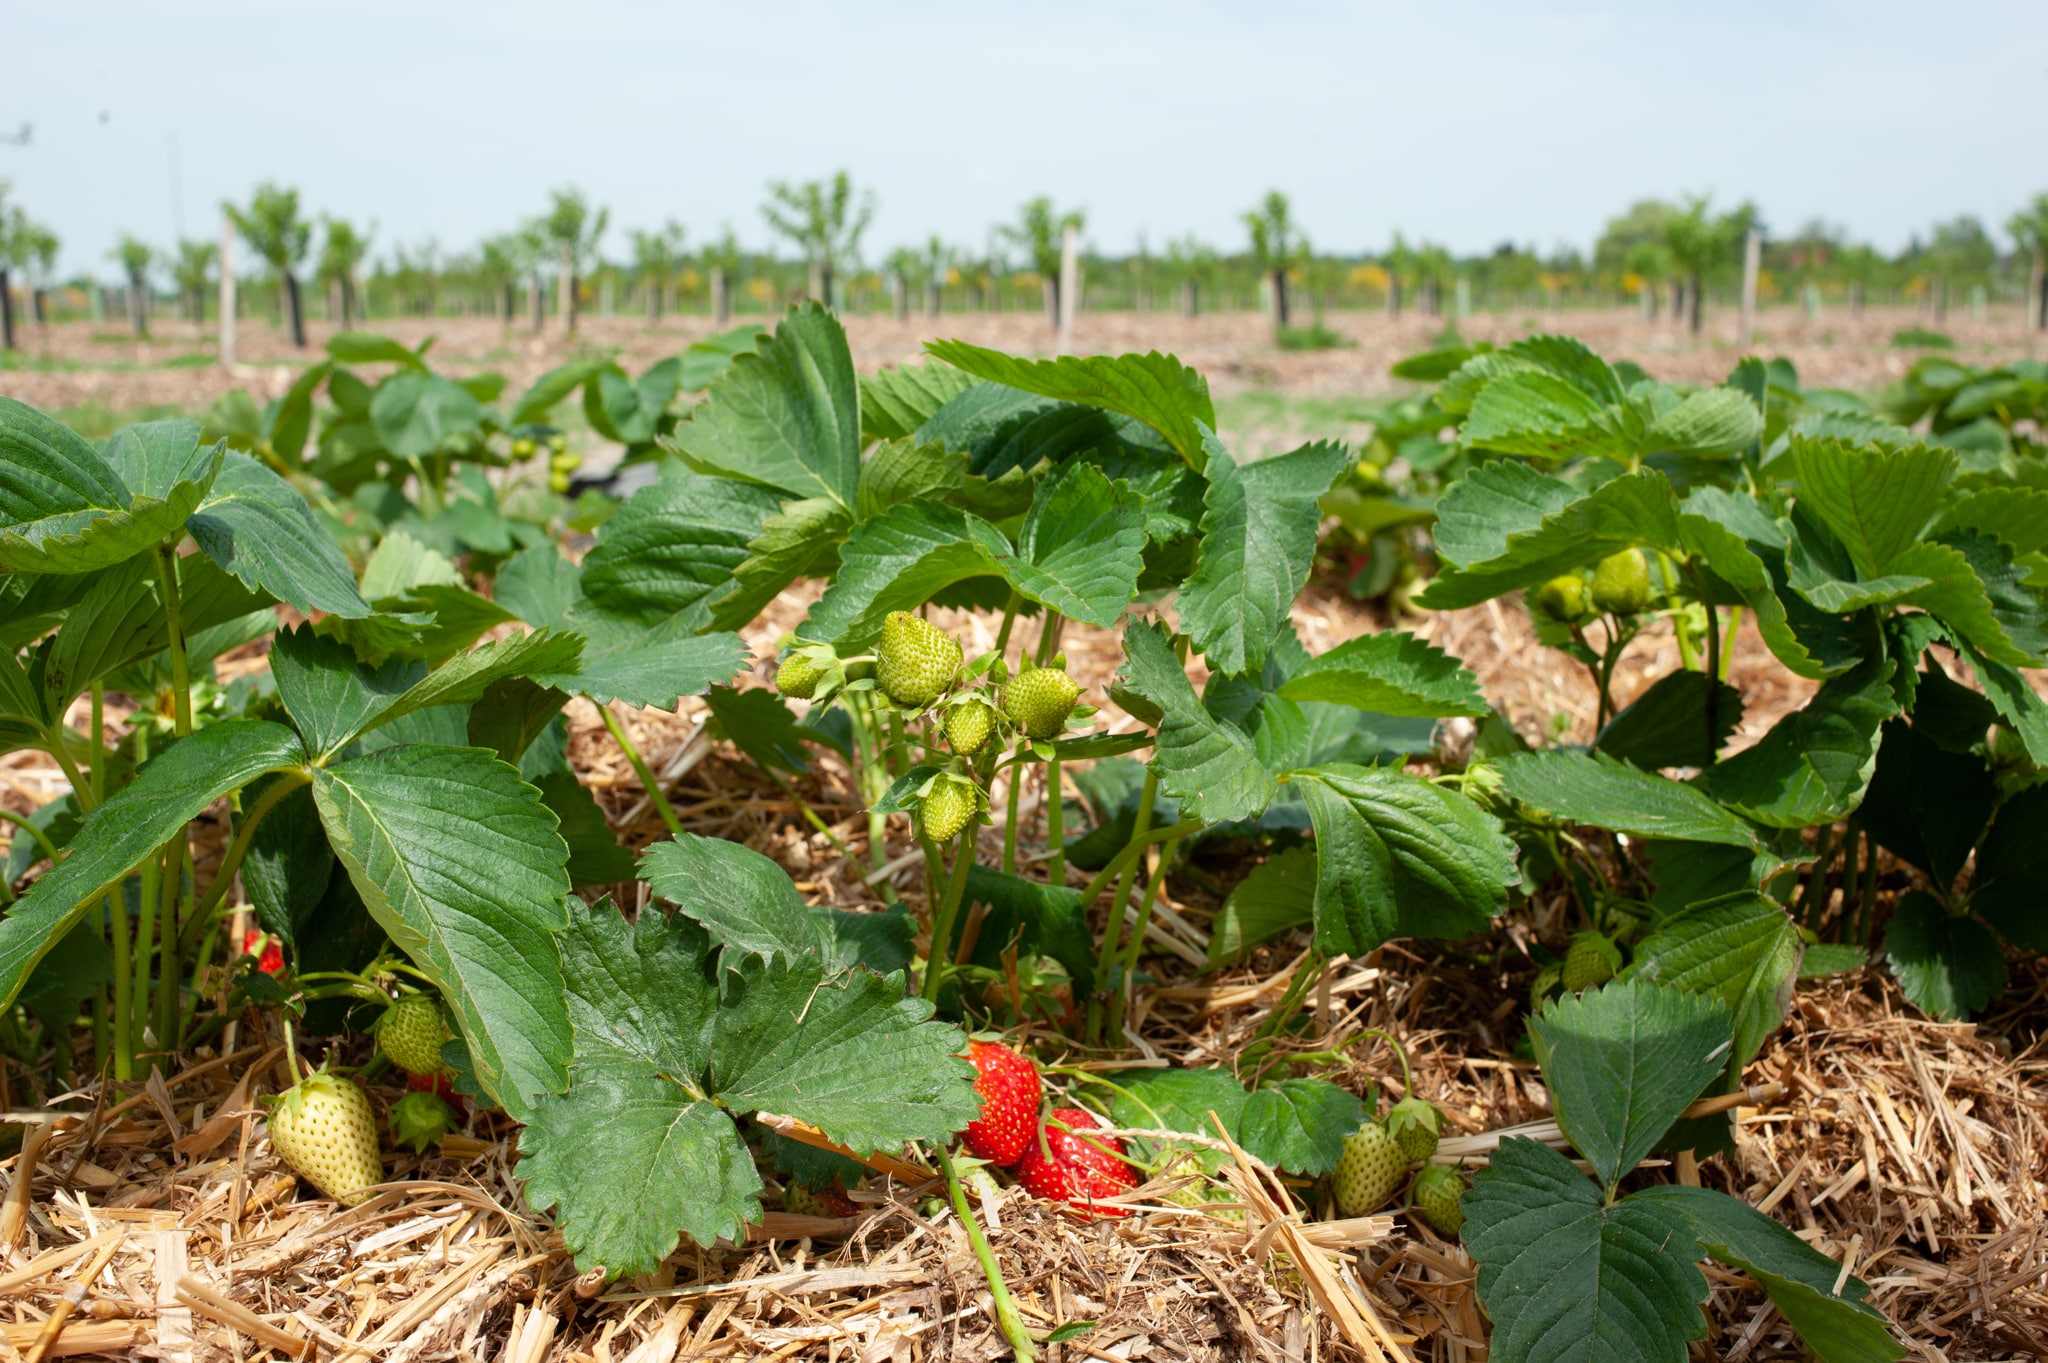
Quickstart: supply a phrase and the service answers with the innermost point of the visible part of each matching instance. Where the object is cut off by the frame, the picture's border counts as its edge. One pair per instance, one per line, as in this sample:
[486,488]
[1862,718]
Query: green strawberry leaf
[1742,950]
[65,509]
[1393,673]
[1211,766]
[1840,1327]
[259,528]
[1815,763]
[1296,1125]
[595,856]
[1755,583]
[1596,789]
[1948,965]
[675,543]
[1039,919]
[1399,857]
[1258,542]
[167,793]
[642,1149]
[1568,1280]
[800,540]
[458,859]
[120,625]
[898,561]
[629,410]
[1507,526]
[1277,897]
[1666,726]
[1926,804]
[744,900]
[1623,1061]
[417,413]
[1081,547]
[653,671]
[1153,388]
[897,400]
[785,415]
[1875,501]
[760,724]
[2012,866]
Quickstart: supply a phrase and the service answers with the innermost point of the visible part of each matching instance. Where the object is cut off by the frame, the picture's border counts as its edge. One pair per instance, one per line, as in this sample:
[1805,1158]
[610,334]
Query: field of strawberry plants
[961,864]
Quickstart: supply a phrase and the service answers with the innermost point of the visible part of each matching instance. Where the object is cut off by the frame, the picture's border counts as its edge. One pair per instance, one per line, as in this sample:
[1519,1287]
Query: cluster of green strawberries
[323,1126]
[1618,585]
[1379,1154]
[976,707]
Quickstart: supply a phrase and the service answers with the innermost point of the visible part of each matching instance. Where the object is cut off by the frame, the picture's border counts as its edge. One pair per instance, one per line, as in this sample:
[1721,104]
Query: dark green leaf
[1154,388]
[654,671]
[1948,965]
[897,561]
[1258,541]
[674,543]
[1212,767]
[895,401]
[63,508]
[595,856]
[785,415]
[2012,868]
[801,540]
[1813,765]
[1875,501]
[1400,857]
[1667,725]
[744,900]
[1567,1280]
[256,526]
[1276,898]
[1393,673]
[1742,950]
[460,862]
[135,821]
[1623,1061]
[1593,788]
[416,414]
[1039,919]
[1081,547]
[550,388]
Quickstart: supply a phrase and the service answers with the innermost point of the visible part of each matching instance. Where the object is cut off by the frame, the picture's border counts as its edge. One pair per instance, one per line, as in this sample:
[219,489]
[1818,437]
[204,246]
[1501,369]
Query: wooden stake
[1752,265]
[227,292]
[1070,284]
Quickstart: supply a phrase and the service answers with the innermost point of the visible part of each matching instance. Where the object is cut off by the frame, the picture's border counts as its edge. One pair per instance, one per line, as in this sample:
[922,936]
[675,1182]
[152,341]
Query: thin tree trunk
[1393,294]
[227,291]
[294,309]
[566,286]
[1692,298]
[1069,296]
[536,302]
[1279,298]
[1752,267]
[721,296]
[1050,285]
[6,311]
[1856,298]
[1190,301]
[900,288]
[138,321]
[1941,298]
[933,295]
[2037,292]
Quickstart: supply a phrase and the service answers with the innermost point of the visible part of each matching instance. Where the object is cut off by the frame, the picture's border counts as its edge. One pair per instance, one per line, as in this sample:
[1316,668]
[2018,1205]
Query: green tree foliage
[280,236]
[824,220]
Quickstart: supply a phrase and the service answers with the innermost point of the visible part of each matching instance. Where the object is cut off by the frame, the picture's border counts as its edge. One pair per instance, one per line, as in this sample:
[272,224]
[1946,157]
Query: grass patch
[1922,338]
[97,421]
[1313,337]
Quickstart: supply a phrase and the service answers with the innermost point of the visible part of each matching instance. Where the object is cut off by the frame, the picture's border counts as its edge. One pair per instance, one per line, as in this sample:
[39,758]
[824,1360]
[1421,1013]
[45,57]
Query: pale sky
[1465,124]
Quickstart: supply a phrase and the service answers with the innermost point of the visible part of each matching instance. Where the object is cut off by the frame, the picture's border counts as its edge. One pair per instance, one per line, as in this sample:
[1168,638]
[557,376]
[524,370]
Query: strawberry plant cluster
[406,829]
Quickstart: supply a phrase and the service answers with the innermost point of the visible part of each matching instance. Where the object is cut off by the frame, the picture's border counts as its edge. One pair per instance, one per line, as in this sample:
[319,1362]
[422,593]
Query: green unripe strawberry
[968,725]
[1563,599]
[914,660]
[522,448]
[1415,1124]
[1621,583]
[1435,1198]
[1368,1171]
[1547,979]
[1592,959]
[798,677]
[949,806]
[323,1128]
[558,443]
[419,1119]
[1039,701]
[411,1032]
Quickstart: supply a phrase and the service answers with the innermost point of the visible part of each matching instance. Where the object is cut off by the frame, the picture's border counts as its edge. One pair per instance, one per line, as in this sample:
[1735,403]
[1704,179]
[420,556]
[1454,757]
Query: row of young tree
[1658,253]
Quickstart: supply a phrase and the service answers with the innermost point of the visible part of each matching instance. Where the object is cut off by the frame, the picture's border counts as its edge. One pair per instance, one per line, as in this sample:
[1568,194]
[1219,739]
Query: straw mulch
[1914,1150]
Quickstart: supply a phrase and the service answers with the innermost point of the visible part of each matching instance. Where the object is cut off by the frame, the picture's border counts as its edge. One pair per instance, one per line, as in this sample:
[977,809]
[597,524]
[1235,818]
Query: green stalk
[1049,638]
[99,744]
[1129,965]
[170,968]
[1009,619]
[174,617]
[1105,951]
[145,921]
[949,909]
[1713,683]
[124,985]
[868,768]
[1055,827]
[1728,643]
[1021,1343]
[239,848]
[41,838]
[1010,816]
[1866,910]
[655,796]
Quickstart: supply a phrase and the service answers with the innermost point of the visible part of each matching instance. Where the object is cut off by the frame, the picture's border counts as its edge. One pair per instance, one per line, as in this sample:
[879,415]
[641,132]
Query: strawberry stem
[648,782]
[1012,1324]
[1055,829]
[949,909]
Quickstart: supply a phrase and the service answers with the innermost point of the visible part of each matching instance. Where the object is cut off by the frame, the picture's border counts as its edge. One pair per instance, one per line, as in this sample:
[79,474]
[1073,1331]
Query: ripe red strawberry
[1010,1093]
[1082,1168]
[267,950]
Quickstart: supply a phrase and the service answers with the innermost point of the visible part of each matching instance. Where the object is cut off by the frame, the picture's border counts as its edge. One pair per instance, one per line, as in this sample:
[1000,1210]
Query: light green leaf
[1153,388]
[1211,766]
[1258,543]
[2016,515]
[330,695]
[459,861]
[1297,1125]
[630,410]
[800,540]
[897,561]
[1732,560]
[1081,547]
[1875,501]
[1623,1061]
[416,414]
[1974,587]
[1593,788]
[367,347]
[1712,421]
[401,565]
[64,509]
[1815,763]
[1532,413]
[167,793]
[1567,1280]
[897,400]
[1506,526]
[463,679]
[1393,673]
[785,415]
[744,900]
[1742,950]
[153,457]
[706,360]
[652,671]
[550,388]
[1399,857]
[258,527]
